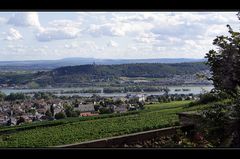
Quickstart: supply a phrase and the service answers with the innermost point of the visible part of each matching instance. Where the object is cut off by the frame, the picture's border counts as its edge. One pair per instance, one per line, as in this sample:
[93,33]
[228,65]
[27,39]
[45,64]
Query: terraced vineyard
[78,130]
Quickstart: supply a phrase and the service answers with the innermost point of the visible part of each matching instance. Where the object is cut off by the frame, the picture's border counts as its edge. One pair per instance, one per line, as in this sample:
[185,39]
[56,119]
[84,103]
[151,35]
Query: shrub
[206,98]
[60,115]
[15,96]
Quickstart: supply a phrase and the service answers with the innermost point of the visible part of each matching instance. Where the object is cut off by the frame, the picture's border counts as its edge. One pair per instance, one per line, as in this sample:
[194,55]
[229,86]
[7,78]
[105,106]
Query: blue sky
[56,35]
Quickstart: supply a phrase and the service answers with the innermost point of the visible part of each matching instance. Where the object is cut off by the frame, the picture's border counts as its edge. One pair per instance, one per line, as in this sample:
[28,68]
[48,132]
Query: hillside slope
[88,73]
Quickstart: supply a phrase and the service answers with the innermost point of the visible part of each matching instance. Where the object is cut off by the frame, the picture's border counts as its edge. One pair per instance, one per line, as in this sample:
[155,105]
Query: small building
[88,114]
[132,107]
[12,121]
[3,119]
[121,109]
[119,98]
[85,108]
[138,97]
[41,110]
[27,118]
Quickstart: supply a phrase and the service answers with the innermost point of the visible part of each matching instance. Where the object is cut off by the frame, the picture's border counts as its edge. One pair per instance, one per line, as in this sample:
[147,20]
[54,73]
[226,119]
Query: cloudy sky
[56,35]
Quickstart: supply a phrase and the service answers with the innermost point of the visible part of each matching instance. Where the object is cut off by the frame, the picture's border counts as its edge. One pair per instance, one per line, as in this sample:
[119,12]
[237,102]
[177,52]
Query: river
[192,89]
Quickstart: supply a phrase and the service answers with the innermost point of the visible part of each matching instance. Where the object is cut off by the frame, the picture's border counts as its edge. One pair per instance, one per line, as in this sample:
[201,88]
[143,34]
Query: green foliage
[52,110]
[105,110]
[43,95]
[210,97]
[60,115]
[15,96]
[20,120]
[97,107]
[86,73]
[48,113]
[224,63]
[119,102]
[108,101]
[33,85]
[215,122]
[69,111]
[2,96]
[32,111]
[225,70]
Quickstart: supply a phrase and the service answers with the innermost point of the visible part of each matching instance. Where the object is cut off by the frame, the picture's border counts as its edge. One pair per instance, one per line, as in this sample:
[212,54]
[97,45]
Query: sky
[110,35]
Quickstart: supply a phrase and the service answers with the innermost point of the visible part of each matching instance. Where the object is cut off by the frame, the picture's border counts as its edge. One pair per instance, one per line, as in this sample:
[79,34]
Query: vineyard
[76,130]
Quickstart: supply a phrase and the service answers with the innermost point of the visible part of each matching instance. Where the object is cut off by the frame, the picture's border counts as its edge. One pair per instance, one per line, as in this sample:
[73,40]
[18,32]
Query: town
[20,108]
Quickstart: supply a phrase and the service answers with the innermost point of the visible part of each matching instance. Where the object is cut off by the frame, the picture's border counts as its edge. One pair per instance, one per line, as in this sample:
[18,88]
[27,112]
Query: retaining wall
[124,139]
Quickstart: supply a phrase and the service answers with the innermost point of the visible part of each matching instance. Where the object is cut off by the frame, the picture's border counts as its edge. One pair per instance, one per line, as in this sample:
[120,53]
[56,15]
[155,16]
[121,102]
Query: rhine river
[173,90]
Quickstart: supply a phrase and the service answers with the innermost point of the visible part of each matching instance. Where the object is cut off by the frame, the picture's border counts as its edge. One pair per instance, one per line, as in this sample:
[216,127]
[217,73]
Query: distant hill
[88,73]
[52,64]
[128,61]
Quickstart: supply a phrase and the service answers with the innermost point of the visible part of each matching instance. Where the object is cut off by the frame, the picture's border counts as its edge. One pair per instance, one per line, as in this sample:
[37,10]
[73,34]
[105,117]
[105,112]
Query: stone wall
[124,139]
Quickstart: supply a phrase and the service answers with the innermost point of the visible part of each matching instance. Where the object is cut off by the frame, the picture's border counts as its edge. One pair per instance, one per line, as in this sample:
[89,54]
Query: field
[76,130]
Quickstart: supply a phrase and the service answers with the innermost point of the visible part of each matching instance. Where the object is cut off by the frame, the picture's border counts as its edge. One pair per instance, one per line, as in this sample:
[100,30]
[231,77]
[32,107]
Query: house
[85,108]
[3,119]
[88,114]
[120,109]
[12,121]
[138,97]
[119,98]
[132,107]
[57,110]
[38,117]
[26,118]
[44,117]
[42,110]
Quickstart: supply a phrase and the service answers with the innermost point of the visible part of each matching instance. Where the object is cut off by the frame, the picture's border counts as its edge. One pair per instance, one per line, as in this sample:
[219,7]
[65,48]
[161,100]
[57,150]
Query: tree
[119,102]
[141,105]
[60,115]
[76,102]
[32,111]
[108,101]
[15,96]
[2,96]
[20,120]
[105,110]
[48,113]
[97,107]
[52,109]
[69,111]
[225,63]
[225,69]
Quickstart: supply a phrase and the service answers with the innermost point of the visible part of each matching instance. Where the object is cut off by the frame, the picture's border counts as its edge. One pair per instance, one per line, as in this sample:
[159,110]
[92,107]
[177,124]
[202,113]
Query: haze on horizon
[110,35]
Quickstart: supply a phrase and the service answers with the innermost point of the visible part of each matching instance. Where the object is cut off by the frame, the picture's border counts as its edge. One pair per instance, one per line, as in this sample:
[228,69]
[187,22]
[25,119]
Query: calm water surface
[192,89]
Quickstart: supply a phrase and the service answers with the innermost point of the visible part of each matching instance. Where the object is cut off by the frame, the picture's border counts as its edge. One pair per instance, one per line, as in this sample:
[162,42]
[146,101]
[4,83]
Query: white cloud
[50,34]
[146,38]
[65,23]
[2,20]
[112,44]
[59,30]
[105,29]
[25,19]
[16,50]
[71,45]
[133,48]
[132,17]
[118,28]
[142,34]
[13,34]
[90,45]
[215,30]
